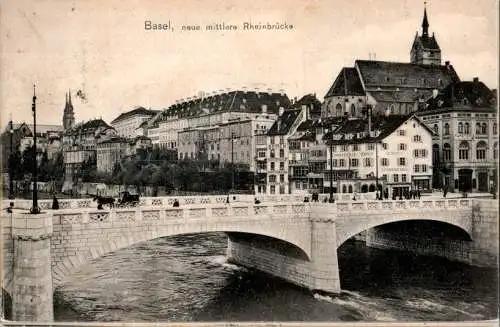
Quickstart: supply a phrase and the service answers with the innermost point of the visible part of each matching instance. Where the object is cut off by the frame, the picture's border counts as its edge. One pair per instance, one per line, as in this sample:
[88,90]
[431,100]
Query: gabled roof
[465,94]
[139,111]
[87,126]
[402,95]
[346,83]
[284,122]
[385,124]
[385,74]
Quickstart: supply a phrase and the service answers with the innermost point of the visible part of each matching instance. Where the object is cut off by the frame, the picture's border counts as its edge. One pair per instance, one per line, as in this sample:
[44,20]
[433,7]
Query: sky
[103,49]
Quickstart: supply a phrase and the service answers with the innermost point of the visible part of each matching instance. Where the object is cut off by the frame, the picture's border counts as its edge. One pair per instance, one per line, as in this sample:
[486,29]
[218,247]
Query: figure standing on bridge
[55,203]
[176,203]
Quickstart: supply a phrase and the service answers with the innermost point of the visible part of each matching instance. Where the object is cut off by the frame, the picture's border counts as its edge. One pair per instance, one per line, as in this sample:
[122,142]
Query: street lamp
[34,209]
[232,161]
[11,165]
[331,169]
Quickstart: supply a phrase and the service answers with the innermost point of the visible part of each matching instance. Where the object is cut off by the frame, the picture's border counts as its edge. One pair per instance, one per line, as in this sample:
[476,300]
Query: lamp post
[331,169]
[11,166]
[232,161]
[34,209]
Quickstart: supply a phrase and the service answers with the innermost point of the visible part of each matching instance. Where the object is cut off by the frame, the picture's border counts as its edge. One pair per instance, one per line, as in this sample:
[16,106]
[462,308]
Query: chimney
[281,111]
[475,80]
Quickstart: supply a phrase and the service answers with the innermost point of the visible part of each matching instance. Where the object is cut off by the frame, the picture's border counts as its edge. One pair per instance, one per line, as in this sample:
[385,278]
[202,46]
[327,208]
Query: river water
[187,278]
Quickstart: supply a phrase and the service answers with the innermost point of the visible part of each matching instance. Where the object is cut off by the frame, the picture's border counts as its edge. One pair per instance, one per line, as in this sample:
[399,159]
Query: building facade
[127,124]
[465,147]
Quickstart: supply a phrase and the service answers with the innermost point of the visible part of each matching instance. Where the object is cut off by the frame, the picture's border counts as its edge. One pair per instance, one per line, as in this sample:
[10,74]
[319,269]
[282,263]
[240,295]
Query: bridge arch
[346,230]
[71,263]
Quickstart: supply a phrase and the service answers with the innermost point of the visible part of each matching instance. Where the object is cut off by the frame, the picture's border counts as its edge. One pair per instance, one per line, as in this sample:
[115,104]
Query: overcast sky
[102,48]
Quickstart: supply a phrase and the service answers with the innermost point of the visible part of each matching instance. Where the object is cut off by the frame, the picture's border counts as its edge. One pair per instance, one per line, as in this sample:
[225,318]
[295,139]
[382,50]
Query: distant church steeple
[69,115]
[425,49]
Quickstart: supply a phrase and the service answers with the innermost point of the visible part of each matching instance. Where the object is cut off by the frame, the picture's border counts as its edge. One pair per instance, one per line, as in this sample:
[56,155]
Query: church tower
[425,49]
[69,115]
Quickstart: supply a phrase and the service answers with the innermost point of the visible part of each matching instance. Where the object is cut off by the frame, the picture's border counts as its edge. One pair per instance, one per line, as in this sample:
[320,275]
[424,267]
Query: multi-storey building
[277,152]
[465,146]
[114,149]
[211,110]
[393,87]
[392,150]
[127,123]
[80,145]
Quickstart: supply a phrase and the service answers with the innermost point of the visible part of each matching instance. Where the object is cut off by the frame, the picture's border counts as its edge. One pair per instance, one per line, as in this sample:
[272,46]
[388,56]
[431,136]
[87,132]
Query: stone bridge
[290,239]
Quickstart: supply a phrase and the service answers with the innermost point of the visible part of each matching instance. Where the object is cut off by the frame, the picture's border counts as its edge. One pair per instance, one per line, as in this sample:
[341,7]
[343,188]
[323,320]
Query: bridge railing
[391,205]
[190,200]
[187,213]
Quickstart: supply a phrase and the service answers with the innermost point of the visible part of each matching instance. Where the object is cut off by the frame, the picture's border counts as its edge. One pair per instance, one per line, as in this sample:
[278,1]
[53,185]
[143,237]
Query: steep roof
[385,74]
[137,111]
[385,124]
[428,42]
[346,83]
[466,95]
[284,122]
[90,125]
[40,128]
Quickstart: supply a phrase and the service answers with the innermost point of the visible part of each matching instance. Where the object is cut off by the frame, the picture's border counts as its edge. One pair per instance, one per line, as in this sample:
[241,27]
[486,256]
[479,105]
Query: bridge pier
[32,282]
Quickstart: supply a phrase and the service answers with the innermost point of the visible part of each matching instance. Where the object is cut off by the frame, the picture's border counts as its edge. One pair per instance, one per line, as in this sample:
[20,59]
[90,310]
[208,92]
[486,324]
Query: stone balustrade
[188,200]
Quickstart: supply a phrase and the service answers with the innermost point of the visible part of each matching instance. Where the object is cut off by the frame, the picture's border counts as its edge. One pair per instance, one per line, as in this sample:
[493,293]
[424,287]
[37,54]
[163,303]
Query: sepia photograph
[249,162]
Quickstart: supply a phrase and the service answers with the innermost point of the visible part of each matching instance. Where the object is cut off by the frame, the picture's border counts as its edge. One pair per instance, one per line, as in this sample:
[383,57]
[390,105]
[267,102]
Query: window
[355,147]
[401,132]
[416,168]
[481,150]
[261,154]
[334,163]
[417,138]
[446,152]
[495,151]
[395,177]
[484,128]
[272,166]
[370,146]
[460,128]
[282,189]
[420,153]
[495,131]
[403,178]
[345,147]
[402,146]
[424,168]
[282,153]
[338,110]
[354,162]
[385,162]
[272,178]
[272,154]
[341,163]
[282,178]
[282,166]
[367,162]
[402,161]
[436,128]
[353,110]
[273,189]
[446,129]
[466,128]
[463,150]
[478,128]
[385,146]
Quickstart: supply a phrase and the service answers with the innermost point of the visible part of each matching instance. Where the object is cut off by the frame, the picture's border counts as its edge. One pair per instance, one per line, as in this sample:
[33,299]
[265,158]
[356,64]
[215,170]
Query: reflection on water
[187,278]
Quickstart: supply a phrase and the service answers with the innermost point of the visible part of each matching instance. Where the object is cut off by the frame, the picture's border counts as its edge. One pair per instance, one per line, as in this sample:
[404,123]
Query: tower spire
[69,97]
[425,22]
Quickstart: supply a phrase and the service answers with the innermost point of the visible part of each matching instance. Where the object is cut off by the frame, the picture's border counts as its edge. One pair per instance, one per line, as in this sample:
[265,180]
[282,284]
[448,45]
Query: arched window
[353,110]
[372,188]
[484,128]
[460,128]
[350,188]
[344,189]
[478,128]
[466,128]
[446,152]
[463,150]
[495,150]
[338,110]
[446,129]
[392,109]
[436,128]
[495,131]
[481,150]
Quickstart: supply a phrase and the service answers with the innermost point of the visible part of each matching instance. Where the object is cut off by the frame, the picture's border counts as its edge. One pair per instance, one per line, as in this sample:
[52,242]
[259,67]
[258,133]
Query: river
[186,278]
